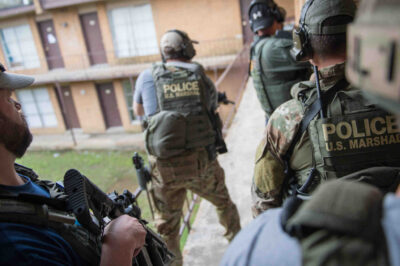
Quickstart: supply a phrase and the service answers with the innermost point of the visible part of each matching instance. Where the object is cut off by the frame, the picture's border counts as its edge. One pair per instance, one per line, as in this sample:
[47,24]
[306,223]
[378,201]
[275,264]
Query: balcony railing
[213,55]
[49,4]
[7,4]
[15,7]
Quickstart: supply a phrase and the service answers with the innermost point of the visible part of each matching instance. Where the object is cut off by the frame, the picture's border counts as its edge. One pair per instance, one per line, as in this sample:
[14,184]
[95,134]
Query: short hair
[170,53]
[332,45]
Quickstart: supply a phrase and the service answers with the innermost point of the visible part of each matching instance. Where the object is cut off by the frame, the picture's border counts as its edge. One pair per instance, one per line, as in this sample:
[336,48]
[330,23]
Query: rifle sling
[311,112]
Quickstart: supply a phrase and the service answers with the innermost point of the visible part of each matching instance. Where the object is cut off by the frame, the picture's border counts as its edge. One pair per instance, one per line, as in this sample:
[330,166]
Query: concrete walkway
[115,140]
[206,244]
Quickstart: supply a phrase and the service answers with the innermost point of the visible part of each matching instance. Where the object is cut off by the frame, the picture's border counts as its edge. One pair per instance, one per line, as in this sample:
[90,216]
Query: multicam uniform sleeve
[269,167]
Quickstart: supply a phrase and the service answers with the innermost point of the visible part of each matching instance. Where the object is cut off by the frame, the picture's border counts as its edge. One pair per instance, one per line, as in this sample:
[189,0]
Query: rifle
[223,99]
[93,208]
[142,172]
[143,176]
[219,145]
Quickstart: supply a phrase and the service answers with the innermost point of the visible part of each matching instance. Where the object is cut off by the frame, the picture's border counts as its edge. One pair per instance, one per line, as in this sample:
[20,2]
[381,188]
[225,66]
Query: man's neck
[8,175]
[327,62]
[183,60]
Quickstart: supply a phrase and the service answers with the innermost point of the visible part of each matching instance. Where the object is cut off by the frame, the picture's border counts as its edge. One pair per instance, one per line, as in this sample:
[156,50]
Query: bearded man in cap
[179,100]
[327,131]
[29,236]
[272,68]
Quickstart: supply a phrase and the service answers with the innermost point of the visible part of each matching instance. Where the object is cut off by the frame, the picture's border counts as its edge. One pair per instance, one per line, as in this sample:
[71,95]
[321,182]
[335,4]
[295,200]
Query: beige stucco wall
[70,38]
[289,6]
[203,20]
[87,107]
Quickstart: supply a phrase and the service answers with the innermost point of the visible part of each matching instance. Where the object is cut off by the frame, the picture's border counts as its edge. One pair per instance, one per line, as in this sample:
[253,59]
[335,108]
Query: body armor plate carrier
[181,95]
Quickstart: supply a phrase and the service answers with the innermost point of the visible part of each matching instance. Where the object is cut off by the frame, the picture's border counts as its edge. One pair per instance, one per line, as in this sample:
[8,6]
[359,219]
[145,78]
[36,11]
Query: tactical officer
[272,68]
[28,236]
[344,223]
[180,101]
[327,130]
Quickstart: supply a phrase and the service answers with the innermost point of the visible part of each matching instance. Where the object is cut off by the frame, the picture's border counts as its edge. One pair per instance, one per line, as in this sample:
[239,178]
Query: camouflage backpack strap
[311,111]
[341,225]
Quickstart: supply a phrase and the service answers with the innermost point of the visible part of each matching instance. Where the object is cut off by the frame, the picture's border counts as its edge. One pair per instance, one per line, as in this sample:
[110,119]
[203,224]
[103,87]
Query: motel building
[86,55]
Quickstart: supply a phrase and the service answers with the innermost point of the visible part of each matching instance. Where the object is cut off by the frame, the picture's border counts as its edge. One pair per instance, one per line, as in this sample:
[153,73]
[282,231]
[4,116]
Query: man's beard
[15,137]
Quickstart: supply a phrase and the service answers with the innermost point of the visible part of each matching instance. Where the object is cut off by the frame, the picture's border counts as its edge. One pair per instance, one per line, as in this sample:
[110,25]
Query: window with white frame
[133,31]
[19,47]
[37,107]
[128,93]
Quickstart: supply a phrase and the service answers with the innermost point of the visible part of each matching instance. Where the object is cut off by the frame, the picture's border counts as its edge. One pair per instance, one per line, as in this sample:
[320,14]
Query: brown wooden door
[50,44]
[93,39]
[70,116]
[108,104]
[246,31]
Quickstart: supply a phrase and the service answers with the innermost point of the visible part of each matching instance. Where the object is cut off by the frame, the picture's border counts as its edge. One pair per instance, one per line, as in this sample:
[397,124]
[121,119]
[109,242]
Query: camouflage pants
[171,179]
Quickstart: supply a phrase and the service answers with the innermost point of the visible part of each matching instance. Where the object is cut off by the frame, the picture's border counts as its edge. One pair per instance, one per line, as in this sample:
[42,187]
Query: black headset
[302,49]
[273,10]
[187,49]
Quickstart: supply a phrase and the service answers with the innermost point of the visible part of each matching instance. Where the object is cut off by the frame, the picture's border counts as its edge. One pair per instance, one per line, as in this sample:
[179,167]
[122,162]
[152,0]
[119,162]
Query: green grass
[109,170]
[185,233]
[104,168]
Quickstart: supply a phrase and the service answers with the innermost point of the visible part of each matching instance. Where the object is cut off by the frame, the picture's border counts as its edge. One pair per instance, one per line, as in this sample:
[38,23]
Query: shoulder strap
[26,171]
[253,46]
[268,101]
[310,113]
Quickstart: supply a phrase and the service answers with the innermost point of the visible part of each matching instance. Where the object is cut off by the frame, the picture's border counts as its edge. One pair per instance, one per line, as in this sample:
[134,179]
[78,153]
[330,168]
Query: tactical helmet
[313,15]
[374,52]
[177,44]
[262,14]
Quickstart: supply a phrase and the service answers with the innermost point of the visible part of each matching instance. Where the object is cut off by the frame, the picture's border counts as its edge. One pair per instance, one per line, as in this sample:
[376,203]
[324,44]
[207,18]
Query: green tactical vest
[354,135]
[273,83]
[181,94]
[49,212]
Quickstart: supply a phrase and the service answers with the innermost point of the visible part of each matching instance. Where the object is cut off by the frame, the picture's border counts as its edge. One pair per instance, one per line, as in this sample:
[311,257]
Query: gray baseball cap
[10,81]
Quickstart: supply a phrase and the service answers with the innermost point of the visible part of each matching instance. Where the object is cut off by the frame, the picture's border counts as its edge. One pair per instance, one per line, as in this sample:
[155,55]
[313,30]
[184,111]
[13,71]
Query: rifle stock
[93,207]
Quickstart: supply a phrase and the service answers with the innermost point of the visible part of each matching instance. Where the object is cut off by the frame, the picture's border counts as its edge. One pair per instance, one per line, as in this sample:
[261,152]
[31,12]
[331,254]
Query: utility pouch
[179,168]
[165,135]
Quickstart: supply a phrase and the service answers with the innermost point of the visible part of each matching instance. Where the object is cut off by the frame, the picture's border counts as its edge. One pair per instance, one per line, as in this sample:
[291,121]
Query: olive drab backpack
[273,84]
[182,121]
[341,225]
[353,135]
